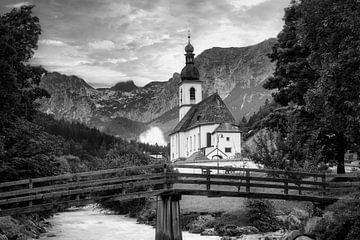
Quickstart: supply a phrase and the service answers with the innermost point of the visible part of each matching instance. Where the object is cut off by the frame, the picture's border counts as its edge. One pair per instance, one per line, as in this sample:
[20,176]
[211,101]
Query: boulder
[299,213]
[228,238]
[328,216]
[291,235]
[206,218]
[304,238]
[209,232]
[281,218]
[293,222]
[311,224]
[248,230]
[196,227]
[199,225]
[230,230]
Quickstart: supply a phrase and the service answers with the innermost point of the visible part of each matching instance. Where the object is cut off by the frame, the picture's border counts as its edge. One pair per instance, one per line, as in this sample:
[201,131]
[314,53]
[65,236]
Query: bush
[187,219]
[237,218]
[344,223]
[260,214]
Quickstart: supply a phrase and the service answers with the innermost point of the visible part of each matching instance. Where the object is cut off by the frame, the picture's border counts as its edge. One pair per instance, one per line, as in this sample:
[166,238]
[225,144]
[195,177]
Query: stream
[91,223]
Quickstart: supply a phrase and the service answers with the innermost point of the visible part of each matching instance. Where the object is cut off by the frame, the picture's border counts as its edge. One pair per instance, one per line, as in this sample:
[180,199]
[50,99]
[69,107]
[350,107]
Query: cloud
[17,5]
[51,42]
[144,40]
[102,44]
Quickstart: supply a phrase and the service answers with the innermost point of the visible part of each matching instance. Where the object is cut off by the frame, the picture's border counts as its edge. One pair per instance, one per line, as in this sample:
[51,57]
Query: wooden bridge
[168,184]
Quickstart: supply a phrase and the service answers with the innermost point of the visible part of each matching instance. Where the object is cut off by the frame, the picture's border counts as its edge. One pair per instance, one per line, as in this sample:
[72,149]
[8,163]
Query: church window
[192,95]
[198,118]
[228,150]
[190,147]
[227,138]
[194,142]
[180,96]
[208,139]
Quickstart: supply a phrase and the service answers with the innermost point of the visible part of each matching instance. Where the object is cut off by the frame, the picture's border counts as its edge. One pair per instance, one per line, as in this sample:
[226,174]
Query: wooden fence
[80,188]
[261,183]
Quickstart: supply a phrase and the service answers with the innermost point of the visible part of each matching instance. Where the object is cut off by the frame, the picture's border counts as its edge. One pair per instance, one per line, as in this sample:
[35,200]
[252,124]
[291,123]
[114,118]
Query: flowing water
[90,223]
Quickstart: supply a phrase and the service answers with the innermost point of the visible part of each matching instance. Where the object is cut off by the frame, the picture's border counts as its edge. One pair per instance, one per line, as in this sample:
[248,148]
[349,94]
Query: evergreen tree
[317,77]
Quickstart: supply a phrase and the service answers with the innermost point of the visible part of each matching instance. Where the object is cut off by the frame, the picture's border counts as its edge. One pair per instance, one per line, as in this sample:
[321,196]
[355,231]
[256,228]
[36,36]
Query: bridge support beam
[168,218]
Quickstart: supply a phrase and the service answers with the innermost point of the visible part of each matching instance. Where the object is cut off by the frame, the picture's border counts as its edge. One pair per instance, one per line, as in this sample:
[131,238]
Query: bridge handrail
[69,185]
[250,178]
[262,170]
[77,175]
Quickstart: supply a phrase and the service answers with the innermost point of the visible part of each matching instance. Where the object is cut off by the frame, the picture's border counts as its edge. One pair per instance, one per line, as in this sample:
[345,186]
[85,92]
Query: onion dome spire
[189,72]
[189,48]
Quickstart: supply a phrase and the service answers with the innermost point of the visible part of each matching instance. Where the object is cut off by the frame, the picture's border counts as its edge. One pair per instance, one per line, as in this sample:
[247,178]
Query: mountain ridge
[236,74]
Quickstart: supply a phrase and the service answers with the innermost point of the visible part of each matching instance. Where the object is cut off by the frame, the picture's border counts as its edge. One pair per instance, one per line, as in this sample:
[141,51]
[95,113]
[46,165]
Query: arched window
[192,95]
[194,142]
[180,96]
[190,146]
[208,139]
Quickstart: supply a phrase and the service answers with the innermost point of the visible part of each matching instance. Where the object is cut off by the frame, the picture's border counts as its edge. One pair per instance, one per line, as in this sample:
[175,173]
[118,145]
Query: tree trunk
[340,153]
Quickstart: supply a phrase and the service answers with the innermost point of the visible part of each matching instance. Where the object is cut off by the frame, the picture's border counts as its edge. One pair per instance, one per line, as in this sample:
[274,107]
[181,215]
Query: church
[206,128]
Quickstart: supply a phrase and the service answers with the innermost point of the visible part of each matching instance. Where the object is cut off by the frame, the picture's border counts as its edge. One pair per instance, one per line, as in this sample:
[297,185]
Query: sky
[108,41]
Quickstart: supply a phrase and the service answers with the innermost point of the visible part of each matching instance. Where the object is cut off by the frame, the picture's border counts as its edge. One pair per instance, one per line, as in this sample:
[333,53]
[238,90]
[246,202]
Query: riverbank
[256,219]
[23,227]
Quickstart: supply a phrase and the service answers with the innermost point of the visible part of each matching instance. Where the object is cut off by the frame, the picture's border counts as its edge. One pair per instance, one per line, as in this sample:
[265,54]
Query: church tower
[190,92]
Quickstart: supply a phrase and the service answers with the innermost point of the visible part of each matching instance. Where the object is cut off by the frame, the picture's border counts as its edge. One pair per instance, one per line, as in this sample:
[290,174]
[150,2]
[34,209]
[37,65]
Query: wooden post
[168,218]
[30,187]
[247,181]
[286,184]
[208,179]
[323,180]
[77,197]
[165,177]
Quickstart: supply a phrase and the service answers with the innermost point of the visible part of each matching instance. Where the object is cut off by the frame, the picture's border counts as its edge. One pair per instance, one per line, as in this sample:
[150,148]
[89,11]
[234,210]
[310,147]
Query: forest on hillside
[33,144]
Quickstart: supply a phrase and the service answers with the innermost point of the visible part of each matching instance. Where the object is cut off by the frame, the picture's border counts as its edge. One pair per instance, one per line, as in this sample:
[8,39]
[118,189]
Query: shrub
[237,218]
[260,214]
[187,219]
[344,223]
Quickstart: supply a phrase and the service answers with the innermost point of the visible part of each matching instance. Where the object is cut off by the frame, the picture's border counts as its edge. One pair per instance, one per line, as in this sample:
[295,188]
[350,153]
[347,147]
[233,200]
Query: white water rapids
[89,223]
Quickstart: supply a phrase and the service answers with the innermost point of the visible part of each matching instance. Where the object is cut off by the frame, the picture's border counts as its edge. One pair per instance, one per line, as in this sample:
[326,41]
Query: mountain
[237,74]
[126,110]
[127,86]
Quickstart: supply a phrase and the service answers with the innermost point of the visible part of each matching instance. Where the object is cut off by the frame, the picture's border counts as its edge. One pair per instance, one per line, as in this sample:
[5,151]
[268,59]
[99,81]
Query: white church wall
[206,129]
[230,143]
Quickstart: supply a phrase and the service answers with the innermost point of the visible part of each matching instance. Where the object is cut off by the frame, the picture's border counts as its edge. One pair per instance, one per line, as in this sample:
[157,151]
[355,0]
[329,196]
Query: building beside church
[206,127]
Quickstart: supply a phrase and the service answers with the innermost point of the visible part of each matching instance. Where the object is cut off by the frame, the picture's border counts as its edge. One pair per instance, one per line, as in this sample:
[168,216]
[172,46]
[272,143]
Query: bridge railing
[84,187]
[254,180]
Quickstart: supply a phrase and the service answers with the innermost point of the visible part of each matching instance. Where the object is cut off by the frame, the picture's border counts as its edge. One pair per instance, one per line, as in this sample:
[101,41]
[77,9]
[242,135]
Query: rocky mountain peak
[126,86]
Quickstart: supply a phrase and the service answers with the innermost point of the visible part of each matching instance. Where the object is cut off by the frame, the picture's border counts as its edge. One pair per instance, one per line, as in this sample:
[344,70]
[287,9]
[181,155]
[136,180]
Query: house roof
[211,110]
[227,127]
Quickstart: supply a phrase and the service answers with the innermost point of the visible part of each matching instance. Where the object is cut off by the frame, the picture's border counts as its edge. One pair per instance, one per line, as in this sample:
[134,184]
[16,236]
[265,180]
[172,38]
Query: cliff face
[126,110]
[237,74]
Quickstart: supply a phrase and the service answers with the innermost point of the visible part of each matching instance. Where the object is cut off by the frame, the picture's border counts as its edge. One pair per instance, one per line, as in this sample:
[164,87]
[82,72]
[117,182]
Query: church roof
[227,127]
[211,110]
